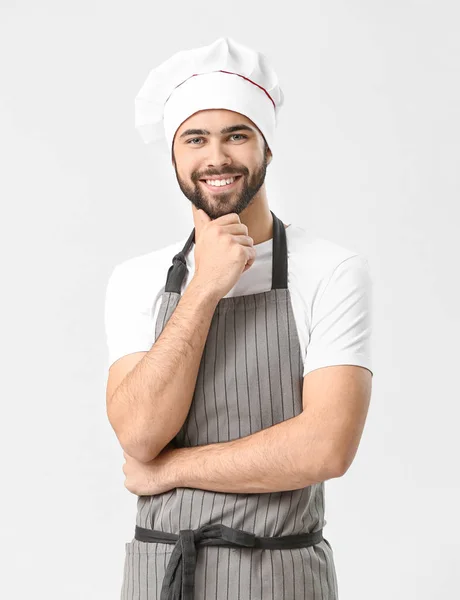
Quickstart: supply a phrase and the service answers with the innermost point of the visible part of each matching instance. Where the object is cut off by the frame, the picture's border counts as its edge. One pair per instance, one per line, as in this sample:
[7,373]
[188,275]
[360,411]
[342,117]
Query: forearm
[286,456]
[151,404]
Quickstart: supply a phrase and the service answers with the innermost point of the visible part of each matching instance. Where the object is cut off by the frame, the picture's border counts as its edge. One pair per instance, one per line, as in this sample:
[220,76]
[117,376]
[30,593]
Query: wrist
[203,292]
[177,470]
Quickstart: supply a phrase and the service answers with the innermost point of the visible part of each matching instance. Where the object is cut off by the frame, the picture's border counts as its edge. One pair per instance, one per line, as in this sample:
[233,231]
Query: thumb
[201,219]
[201,216]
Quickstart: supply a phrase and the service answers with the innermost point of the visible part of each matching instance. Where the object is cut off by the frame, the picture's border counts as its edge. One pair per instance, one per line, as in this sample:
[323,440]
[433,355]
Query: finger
[201,216]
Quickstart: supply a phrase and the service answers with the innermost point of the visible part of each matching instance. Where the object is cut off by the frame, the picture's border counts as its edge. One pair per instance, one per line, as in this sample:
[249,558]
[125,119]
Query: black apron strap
[280,258]
[178,269]
[179,579]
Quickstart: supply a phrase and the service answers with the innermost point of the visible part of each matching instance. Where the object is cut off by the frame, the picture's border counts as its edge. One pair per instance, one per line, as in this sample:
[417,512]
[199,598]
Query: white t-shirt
[330,288]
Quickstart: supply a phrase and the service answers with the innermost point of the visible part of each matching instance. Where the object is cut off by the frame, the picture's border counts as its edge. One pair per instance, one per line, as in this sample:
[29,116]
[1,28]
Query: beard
[224,203]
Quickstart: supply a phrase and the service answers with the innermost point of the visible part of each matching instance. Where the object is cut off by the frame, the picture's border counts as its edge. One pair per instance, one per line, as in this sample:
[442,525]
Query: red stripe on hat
[247,79]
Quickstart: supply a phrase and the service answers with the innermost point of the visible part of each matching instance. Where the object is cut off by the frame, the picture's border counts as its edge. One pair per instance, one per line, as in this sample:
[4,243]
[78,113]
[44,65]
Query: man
[240,373]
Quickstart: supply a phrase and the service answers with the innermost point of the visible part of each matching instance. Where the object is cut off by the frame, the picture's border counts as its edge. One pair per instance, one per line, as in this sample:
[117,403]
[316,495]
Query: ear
[269,156]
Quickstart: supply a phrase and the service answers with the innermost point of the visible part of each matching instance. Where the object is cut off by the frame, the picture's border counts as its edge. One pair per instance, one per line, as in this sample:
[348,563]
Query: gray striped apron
[194,544]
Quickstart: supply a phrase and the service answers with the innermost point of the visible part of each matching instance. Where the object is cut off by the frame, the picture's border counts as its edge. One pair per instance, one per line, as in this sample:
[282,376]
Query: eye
[192,139]
[240,134]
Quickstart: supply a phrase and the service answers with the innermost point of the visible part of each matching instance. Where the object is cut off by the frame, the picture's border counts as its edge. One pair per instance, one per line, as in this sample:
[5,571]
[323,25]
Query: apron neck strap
[178,269]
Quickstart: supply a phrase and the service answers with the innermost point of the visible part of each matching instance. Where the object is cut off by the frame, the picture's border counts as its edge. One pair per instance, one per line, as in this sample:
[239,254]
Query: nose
[217,157]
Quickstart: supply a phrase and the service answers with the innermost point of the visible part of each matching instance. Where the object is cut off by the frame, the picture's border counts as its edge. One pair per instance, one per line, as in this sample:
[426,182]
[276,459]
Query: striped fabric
[250,378]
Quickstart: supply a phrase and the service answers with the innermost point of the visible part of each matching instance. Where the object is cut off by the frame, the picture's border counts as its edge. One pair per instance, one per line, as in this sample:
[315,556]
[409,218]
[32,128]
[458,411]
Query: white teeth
[219,182]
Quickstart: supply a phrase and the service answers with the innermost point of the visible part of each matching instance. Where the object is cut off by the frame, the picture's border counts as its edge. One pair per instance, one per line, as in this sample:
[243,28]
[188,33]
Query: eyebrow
[223,131]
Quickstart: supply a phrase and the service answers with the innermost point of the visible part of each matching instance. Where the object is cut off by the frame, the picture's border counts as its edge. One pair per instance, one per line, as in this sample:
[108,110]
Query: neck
[258,220]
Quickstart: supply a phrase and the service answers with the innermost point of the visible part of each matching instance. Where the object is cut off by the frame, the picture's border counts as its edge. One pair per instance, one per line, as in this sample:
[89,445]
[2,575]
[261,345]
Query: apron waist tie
[179,579]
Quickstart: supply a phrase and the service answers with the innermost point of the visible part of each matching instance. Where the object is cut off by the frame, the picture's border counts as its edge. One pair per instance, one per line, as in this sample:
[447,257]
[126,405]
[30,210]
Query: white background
[368,156]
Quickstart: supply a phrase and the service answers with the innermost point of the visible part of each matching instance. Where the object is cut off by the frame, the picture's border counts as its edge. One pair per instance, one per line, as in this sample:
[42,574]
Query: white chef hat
[224,75]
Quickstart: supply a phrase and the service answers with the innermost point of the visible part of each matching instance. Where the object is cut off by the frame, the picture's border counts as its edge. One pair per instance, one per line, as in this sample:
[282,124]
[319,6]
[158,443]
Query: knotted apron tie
[179,579]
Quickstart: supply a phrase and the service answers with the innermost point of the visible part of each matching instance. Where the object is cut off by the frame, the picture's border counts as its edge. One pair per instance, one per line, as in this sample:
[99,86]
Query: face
[220,144]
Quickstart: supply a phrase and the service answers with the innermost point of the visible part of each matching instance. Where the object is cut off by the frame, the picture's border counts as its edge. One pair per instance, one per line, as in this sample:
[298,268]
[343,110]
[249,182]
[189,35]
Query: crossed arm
[316,445]
[281,457]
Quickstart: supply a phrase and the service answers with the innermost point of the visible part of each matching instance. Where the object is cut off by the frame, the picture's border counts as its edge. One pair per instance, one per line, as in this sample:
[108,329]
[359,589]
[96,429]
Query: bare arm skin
[149,394]
[148,405]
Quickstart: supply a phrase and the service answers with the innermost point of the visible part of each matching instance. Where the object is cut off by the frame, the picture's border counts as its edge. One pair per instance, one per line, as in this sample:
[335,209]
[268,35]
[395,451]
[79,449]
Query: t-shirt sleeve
[129,326]
[340,332]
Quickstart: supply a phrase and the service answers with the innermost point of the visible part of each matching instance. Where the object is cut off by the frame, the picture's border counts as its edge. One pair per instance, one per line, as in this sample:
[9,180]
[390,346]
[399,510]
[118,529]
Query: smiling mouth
[226,183]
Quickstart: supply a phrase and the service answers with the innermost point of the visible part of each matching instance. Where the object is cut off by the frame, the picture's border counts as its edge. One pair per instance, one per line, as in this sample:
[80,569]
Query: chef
[240,369]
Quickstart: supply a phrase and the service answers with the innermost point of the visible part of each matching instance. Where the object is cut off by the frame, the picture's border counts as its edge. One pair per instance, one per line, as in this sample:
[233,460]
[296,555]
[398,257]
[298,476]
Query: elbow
[134,445]
[338,467]
[332,467]
[142,452]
